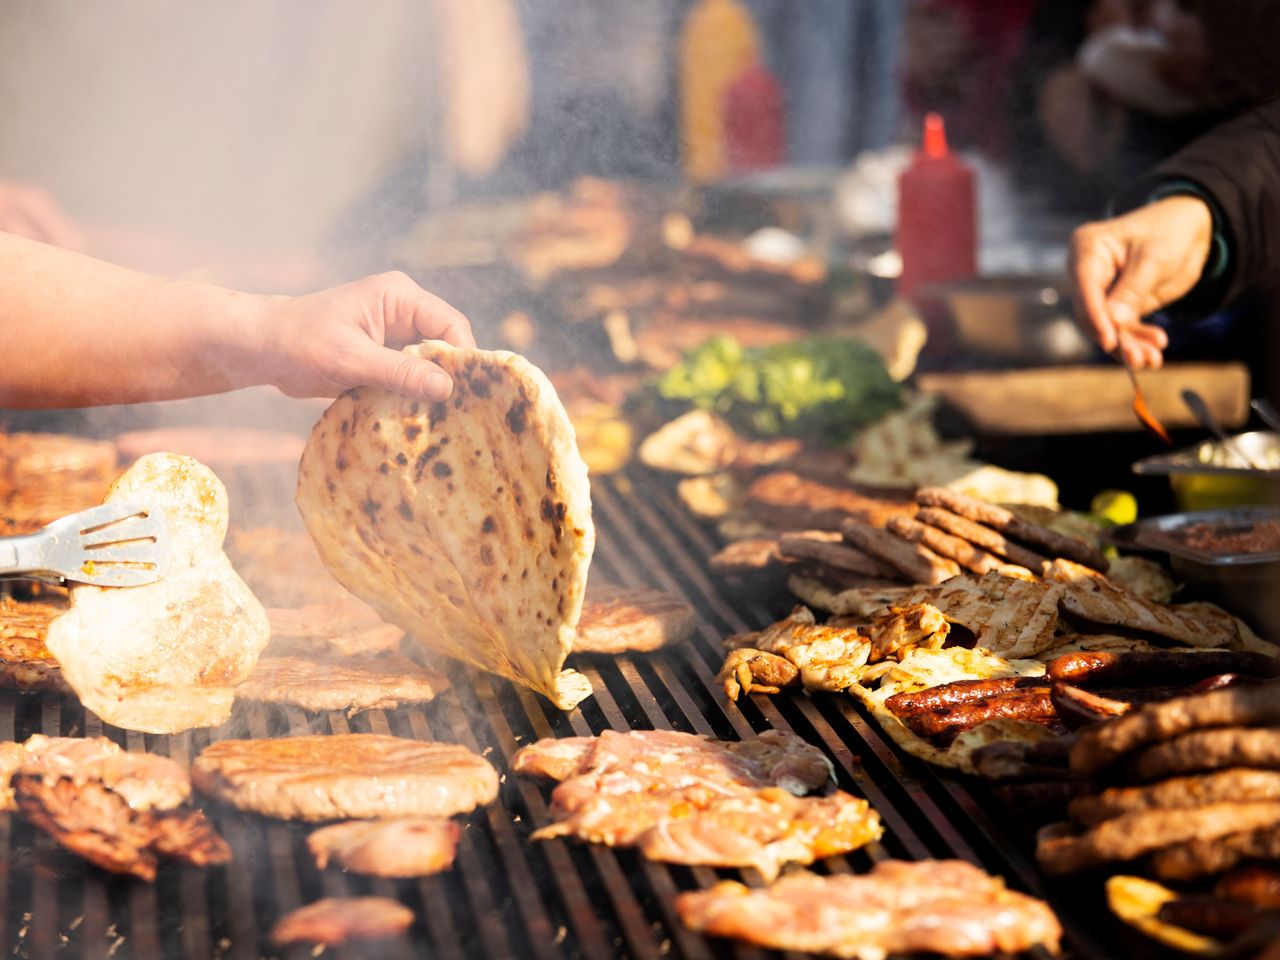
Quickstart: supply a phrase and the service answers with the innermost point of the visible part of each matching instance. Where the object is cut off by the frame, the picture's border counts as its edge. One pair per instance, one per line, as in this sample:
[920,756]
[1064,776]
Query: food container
[1247,584]
[1209,477]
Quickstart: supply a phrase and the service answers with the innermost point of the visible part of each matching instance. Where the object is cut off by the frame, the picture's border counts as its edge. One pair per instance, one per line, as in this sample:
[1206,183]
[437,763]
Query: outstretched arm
[75,331]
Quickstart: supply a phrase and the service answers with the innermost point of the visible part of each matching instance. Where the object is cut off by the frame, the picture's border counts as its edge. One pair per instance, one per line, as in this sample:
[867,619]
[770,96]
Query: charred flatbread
[466,522]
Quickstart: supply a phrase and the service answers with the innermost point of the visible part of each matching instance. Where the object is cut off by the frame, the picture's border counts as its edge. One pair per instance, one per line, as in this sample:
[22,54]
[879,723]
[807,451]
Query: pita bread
[466,522]
[165,657]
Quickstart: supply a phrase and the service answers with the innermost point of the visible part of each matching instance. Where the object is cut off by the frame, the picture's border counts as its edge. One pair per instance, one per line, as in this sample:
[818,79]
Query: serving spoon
[1267,412]
[1200,410]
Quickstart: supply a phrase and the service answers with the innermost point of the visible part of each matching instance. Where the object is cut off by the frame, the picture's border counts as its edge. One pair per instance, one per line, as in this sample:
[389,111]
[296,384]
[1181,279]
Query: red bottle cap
[935,136]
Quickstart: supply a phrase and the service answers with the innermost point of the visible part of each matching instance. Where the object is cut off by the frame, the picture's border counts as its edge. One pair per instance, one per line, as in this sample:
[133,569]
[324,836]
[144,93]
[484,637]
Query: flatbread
[165,657]
[466,522]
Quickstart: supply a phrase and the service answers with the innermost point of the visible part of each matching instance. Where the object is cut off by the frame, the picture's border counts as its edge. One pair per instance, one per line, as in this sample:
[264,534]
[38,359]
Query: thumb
[401,373]
[1134,294]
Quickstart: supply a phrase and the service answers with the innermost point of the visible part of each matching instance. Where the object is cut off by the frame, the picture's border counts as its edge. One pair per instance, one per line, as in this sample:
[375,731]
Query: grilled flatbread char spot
[466,522]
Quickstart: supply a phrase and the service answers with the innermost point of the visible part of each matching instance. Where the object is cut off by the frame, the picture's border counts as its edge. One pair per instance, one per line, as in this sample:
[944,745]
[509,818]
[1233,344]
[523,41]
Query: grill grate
[507,896]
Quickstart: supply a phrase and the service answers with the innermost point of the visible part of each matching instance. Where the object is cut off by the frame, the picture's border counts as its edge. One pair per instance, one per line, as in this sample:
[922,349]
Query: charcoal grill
[507,896]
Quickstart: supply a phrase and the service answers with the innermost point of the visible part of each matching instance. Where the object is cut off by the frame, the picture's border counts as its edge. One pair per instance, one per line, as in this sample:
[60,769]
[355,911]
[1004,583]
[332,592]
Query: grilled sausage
[949,694]
[1019,704]
[1209,916]
[1158,666]
[1258,886]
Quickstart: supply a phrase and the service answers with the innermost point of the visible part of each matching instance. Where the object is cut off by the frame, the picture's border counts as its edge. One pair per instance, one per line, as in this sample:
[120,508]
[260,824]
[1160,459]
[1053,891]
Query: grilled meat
[1028,703]
[946,907]
[1006,522]
[1080,708]
[1207,750]
[972,558]
[1010,617]
[980,536]
[825,547]
[1161,666]
[334,921]
[1234,783]
[1256,885]
[787,501]
[25,662]
[864,601]
[352,684]
[387,848]
[120,811]
[915,562]
[354,775]
[1104,745]
[686,799]
[620,619]
[752,555]
[748,671]
[1061,849]
[1208,855]
[344,627]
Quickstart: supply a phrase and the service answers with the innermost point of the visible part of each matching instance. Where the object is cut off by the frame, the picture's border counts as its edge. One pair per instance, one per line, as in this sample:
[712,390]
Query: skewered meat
[353,775]
[947,907]
[618,619]
[1006,522]
[118,810]
[686,799]
[387,848]
[972,558]
[1234,783]
[1060,849]
[334,921]
[352,684]
[980,536]
[1160,666]
[1104,745]
[914,561]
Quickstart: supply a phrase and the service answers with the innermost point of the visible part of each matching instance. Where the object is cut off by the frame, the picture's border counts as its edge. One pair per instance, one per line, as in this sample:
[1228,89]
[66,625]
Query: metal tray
[1200,482]
[1161,533]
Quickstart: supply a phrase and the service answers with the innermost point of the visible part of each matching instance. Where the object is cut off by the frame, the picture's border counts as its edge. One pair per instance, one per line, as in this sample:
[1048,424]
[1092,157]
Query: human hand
[348,336]
[1130,266]
[32,212]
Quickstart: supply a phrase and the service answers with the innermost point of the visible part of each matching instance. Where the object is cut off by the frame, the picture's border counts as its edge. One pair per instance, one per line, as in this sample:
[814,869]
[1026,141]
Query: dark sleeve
[1236,166]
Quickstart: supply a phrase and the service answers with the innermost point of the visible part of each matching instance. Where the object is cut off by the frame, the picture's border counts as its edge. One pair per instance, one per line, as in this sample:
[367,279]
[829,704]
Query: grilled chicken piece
[334,921]
[753,671]
[118,810]
[387,848]
[946,907]
[25,662]
[619,619]
[686,799]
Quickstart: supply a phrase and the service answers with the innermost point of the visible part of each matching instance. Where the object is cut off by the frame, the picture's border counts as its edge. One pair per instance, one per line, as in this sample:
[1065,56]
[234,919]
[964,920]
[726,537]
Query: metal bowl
[1208,477]
[1246,584]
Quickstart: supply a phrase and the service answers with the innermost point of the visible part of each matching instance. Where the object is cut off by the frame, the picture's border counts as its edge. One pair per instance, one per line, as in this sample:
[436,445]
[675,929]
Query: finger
[402,373]
[1134,293]
[415,314]
[1093,270]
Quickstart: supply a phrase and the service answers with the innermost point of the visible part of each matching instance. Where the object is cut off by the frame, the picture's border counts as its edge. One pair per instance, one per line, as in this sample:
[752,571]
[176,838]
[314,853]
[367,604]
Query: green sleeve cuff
[1219,260]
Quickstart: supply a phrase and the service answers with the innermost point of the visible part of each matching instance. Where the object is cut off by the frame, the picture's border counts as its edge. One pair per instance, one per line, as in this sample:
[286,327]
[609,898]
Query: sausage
[948,694]
[1144,668]
[980,536]
[1078,708]
[1019,704]
[973,558]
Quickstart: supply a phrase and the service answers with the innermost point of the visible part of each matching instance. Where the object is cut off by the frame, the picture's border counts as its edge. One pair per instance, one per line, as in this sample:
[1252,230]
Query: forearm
[78,332]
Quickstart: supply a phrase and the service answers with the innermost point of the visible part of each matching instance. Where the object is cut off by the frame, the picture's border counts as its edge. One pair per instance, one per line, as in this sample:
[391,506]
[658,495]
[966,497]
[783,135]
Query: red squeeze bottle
[753,121]
[936,225]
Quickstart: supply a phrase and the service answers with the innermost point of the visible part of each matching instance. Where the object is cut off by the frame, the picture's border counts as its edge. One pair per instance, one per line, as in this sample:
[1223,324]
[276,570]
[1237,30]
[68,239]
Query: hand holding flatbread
[466,522]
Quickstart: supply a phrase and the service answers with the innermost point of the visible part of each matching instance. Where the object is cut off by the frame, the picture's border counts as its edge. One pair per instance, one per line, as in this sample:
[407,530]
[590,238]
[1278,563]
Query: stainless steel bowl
[1208,477]
[1246,584]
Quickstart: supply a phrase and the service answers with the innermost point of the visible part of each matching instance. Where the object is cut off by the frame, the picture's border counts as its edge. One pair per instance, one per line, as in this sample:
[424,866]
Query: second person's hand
[349,336]
[1130,266]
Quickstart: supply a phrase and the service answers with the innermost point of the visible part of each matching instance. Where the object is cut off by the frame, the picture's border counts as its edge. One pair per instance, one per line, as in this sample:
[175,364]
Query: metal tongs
[114,545]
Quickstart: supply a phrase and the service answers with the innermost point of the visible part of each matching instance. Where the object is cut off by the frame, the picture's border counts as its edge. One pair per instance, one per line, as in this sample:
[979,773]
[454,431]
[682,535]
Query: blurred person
[31,211]
[1200,231]
[113,336]
[237,137]
[1103,89]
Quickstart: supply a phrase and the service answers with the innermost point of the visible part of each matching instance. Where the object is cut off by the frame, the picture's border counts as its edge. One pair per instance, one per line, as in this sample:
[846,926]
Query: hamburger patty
[353,684]
[347,776]
[617,619]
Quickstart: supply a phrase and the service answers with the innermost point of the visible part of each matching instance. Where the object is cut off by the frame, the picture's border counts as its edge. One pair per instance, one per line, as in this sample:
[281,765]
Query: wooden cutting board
[1060,400]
